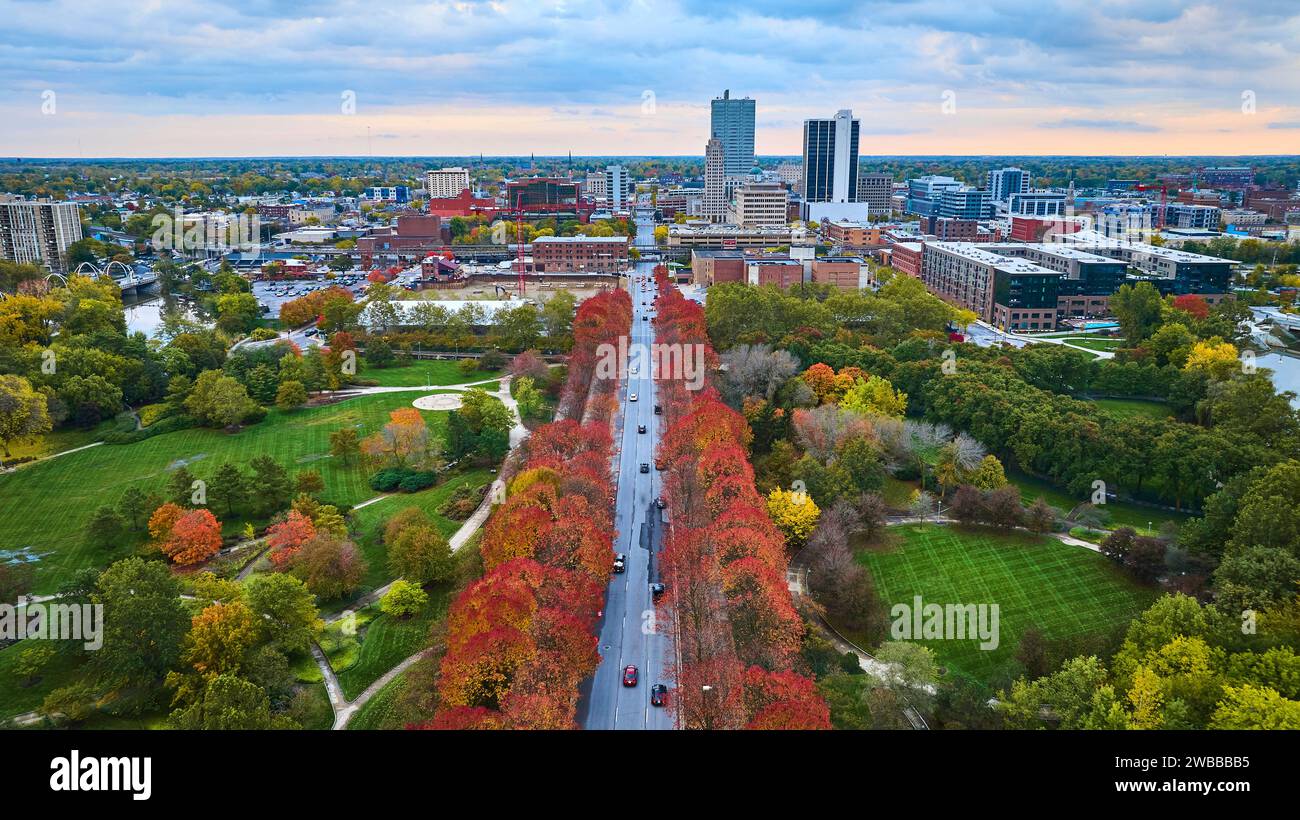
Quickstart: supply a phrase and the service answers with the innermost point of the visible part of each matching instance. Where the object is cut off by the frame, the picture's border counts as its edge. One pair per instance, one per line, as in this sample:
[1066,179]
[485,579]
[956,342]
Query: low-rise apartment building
[580,254]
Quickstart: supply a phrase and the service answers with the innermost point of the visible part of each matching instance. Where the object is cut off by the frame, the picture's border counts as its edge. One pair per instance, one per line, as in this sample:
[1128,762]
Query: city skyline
[1115,78]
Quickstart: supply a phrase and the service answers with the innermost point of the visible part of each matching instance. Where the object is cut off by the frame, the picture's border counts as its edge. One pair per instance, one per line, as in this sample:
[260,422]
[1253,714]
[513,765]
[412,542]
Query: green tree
[144,622]
[286,610]
[230,703]
[229,489]
[404,599]
[274,487]
[528,398]
[345,444]
[219,400]
[1138,309]
[104,530]
[291,395]
[24,414]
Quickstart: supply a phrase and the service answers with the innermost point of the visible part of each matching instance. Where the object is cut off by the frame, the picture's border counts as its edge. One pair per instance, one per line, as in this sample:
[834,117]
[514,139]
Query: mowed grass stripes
[1036,581]
[44,507]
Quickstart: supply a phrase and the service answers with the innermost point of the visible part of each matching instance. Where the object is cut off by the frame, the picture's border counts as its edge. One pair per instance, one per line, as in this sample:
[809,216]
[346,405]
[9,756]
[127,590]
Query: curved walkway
[343,708]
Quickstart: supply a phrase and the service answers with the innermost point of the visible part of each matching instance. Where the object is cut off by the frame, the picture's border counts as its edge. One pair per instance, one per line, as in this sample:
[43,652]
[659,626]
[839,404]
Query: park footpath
[343,708]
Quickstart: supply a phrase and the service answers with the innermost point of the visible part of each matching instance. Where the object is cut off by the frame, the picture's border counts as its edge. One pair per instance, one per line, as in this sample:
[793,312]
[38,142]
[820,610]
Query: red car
[629,675]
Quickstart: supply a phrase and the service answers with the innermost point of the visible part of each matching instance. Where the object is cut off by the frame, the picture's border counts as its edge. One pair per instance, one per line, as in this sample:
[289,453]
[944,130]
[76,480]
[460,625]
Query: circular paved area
[438,401]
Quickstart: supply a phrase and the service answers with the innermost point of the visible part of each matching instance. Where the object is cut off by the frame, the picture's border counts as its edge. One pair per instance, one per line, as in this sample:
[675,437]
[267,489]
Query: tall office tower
[618,187]
[446,183]
[714,207]
[877,190]
[36,231]
[732,121]
[1004,182]
[830,168]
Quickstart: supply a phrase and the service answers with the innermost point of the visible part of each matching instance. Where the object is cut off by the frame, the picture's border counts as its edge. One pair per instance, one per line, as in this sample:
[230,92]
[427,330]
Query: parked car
[657,589]
[658,695]
[620,563]
[660,503]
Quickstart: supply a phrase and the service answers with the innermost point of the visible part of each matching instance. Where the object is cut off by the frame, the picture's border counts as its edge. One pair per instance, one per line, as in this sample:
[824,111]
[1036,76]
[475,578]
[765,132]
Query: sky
[634,77]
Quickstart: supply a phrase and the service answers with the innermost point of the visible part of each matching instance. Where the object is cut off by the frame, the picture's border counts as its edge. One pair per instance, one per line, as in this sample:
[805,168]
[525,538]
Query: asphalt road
[628,632]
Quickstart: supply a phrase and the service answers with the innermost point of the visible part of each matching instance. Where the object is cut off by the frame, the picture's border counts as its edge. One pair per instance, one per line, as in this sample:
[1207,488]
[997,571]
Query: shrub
[414,482]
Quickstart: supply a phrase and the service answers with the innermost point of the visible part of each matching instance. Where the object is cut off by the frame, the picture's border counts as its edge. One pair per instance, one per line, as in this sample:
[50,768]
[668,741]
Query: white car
[632,397]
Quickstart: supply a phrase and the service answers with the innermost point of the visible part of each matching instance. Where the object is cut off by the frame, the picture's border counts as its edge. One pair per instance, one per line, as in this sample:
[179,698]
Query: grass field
[1121,514]
[44,507]
[60,440]
[1036,581]
[386,641]
[368,522]
[1099,343]
[427,372]
[1135,408]
[385,709]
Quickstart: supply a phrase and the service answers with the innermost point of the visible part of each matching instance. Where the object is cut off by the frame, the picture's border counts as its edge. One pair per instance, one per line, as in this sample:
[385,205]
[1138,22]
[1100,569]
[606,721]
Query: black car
[640,428]
[659,410]
[660,503]
[620,562]
[657,589]
[645,468]
[658,695]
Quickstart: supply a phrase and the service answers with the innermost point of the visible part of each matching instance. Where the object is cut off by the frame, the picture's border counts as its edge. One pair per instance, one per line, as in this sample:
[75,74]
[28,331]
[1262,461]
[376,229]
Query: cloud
[1102,125]
[1125,66]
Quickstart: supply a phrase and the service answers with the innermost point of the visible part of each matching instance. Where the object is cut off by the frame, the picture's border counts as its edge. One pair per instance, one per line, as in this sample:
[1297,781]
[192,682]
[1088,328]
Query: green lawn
[16,698]
[386,641]
[1098,343]
[1135,408]
[368,522]
[1036,581]
[430,372]
[1121,513]
[385,710]
[44,507]
[68,439]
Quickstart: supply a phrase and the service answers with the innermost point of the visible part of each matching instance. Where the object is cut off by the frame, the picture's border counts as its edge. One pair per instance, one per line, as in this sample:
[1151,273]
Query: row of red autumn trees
[522,638]
[724,560]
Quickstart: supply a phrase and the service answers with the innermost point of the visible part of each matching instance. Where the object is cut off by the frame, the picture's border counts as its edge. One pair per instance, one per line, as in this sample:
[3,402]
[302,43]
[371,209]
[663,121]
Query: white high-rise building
[38,231]
[715,182]
[446,183]
[618,187]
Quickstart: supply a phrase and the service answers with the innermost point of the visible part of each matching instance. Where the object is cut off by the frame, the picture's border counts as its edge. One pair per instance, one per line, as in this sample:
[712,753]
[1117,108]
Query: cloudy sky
[187,78]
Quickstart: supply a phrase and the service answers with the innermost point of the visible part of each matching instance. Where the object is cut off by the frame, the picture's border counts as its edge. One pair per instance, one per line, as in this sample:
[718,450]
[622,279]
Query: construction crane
[1164,200]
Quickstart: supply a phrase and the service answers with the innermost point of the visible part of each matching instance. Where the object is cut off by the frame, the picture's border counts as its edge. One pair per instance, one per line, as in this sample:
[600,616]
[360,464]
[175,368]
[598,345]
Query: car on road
[631,397]
[645,468]
[659,409]
[620,562]
[660,503]
[645,318]
[657,589]
[629,675]
[658,695]
[640,428]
